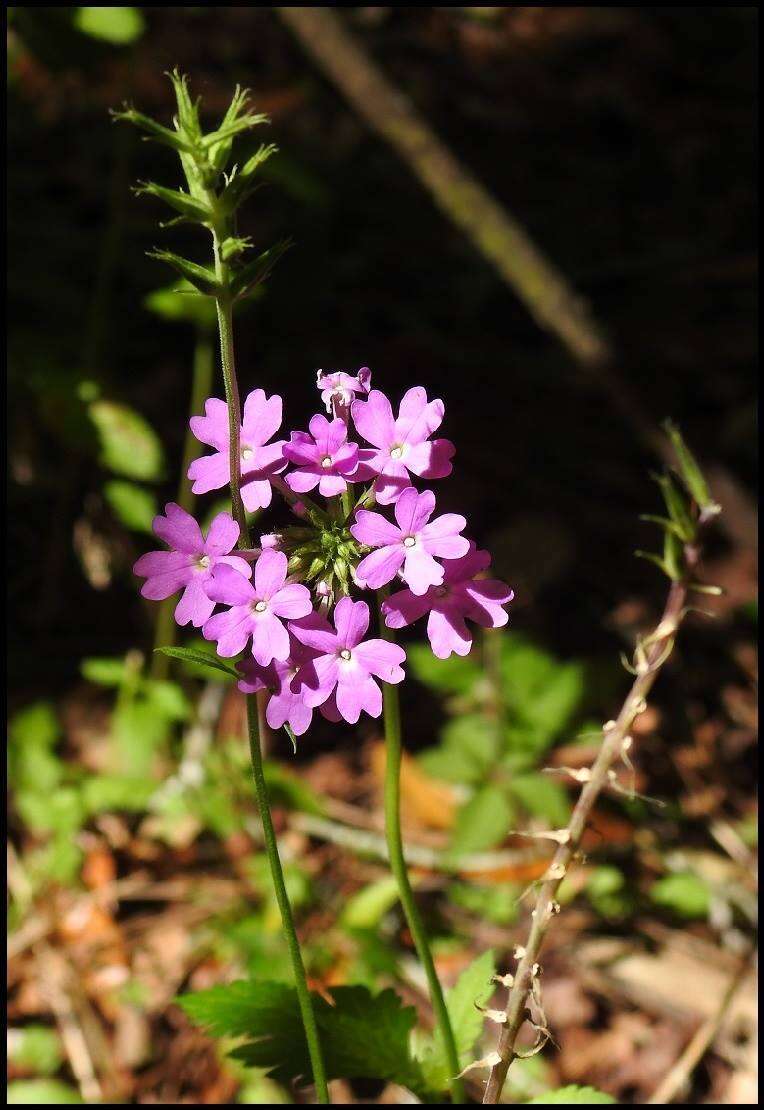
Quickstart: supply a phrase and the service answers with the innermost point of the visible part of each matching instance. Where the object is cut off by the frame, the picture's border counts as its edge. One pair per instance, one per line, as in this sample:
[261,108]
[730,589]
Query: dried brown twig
[680,561]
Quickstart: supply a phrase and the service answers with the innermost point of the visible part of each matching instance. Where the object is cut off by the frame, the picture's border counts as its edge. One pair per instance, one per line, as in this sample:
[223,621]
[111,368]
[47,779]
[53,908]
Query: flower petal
[212,428]
[222,535]
[270,639]
[381,658]
[448,633]
[374,530]
[381,566]
[179,530]
[194,607]
[291,601]
[413,510]
[431,459]
[374,419]
[261,418]
[403,608]
[351,619]
[231,629]
[270,573]
[314,631]
[210,472]
[420,570]
[229,587]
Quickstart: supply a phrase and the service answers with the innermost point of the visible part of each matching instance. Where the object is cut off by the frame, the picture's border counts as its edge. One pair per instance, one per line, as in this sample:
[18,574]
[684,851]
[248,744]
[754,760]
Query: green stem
[201,385]
[254,721]
[392,718]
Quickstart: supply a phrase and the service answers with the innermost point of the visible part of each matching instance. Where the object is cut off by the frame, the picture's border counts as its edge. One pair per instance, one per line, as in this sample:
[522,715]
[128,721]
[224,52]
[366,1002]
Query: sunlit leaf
[119,26]
[129,445]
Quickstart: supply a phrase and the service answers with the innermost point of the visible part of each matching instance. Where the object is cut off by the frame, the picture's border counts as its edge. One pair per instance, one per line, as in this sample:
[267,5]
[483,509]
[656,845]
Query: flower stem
[254,720]
[392,718]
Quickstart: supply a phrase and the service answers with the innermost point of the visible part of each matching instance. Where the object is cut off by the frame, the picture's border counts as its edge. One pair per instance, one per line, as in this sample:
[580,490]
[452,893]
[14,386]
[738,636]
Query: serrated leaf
[472,989]
[483,822]
[572,1096]
[119,26]
[129,445]
[154,130]
[455,675]
[362,1035]
[133,505]
[200,658]
[188,206]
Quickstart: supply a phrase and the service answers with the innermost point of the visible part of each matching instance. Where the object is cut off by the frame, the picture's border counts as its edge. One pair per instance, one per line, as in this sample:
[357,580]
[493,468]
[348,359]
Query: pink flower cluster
[276,600]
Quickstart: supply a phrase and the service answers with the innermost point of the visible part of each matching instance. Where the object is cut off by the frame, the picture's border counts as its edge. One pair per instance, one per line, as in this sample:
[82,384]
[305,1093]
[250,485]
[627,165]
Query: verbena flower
[345,664]
[462,594]
[260,459]
[411,544]
[285,705]
[324,458]
[256,610]
[401,447]
[190,562]
[339,389]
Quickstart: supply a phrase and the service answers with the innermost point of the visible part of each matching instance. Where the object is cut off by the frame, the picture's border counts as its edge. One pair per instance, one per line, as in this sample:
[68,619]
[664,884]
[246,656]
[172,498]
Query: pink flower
[256,609]
[285,706]
[402,446]
[461,595]
[345,662]
[339,389]
[324,458]
[190,562]
[259,459]
[411,545]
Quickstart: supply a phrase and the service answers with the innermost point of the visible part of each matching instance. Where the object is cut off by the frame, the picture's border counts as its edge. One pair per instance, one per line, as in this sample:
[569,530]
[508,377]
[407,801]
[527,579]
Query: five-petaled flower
[461,595]
[285,705]
[345,664]
[259,459]
[401,446]
[324,458]
[256,610]
[190,562]
[411,544]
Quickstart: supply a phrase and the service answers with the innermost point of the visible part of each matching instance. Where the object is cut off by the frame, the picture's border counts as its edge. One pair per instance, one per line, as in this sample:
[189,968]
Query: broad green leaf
[473,989]
[133,505]
[540,692]
[368,906]
[468,749]
[571,1096]
[684,893]
[58,812]
[129,445]
[36,1048]
[33,764]
[119,26]
[167,698]
[362,1035]
[541,796]
[606,890]
[199,658]
[58,861]
[139,732]
[498,904]
[287,788]
[40,1092]
[483,822]
[455,675]
[104,671]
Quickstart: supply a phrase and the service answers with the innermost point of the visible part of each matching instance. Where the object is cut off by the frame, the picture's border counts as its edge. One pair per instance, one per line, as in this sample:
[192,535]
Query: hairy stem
[201,384]
[392,717]
[615,734]
[254,708]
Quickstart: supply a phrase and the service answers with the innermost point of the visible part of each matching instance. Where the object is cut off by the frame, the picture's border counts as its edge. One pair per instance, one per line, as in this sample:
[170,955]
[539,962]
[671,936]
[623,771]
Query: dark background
[622,139]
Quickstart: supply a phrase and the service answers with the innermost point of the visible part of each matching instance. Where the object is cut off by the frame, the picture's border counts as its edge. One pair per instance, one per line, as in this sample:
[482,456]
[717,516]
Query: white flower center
[326,462]
[261,606]
[345,654]
[246,453]
[410,541]
[396,452]
[204,562]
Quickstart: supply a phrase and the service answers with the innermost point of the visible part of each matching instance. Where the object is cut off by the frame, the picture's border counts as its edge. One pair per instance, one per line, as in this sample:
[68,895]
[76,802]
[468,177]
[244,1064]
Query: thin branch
[524,990]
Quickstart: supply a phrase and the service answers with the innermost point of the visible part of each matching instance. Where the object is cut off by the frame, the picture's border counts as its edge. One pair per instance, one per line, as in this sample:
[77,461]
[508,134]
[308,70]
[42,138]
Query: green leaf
[369,905]
[119,26]
[362,1035]
[684,893]
[188,110]
[139,732]
[256,271]
[32,736]
[571,1096]
[181,301]
[35,1048]
[115,793]
[491,903]
[287,788]
[40,1092]
[201,277]
[129,445]
[104,671]
[472,989]
[181,202]
[133,505]
[455,675]
[59,812]
[677,507]
[167,699]
[483,822]
[468,749]
[691,473]
[541,796]
[542,693]
[155,130]
[200,658]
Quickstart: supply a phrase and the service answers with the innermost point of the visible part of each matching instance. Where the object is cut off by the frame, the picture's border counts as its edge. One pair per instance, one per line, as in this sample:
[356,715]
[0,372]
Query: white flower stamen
[246,453]
[326,462]
[410,541]
[396,452]
[345,654]
[261,606]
